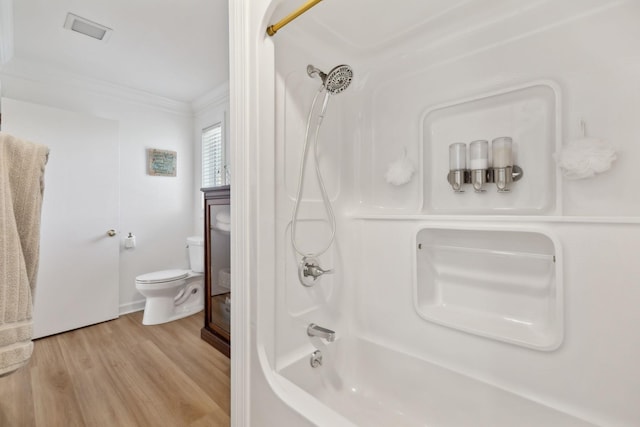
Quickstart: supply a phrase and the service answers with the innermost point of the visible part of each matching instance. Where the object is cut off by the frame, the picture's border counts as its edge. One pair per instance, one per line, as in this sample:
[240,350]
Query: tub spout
[314,330]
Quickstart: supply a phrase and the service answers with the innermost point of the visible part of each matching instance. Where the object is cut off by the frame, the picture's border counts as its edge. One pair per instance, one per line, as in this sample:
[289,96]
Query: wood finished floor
[120,373]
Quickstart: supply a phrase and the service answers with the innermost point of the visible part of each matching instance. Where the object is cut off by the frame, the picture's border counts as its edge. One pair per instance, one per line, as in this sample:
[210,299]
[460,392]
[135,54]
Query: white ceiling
[386,21]
[170,48]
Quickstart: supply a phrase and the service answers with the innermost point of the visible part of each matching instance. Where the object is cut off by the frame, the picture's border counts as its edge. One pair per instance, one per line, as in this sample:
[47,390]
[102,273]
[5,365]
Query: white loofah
[584,158]
[401,171]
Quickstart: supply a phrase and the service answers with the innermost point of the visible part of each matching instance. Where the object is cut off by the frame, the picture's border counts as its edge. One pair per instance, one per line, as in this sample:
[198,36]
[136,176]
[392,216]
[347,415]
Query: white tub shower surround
[469,309]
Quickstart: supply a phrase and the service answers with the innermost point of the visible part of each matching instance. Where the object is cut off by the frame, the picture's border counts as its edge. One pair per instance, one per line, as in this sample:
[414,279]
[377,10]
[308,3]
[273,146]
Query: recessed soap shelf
[479,127]
[502,284]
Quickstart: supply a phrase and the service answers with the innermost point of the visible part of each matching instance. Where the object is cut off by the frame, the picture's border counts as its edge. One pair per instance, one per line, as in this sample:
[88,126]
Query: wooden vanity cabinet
[217,252]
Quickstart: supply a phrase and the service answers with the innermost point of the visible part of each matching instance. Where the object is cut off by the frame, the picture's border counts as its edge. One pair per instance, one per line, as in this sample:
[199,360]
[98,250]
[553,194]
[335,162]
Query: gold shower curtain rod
[272,29]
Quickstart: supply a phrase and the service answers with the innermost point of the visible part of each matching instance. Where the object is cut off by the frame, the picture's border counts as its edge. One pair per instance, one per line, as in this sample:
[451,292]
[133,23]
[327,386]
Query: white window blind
[213,173]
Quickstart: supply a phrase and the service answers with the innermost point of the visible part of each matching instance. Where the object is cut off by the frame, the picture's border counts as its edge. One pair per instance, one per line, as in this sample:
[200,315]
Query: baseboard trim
[131,307]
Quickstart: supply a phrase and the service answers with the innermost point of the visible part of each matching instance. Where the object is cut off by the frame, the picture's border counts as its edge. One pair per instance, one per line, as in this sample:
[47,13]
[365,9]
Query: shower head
[337,80]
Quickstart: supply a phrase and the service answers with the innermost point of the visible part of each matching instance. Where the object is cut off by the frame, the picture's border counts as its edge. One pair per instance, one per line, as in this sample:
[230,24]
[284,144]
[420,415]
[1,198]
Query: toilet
[174,294]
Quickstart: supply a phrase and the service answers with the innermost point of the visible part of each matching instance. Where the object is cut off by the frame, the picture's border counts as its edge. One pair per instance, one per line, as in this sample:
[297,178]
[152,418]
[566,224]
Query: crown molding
[47,75]
[215,97]
[6,31]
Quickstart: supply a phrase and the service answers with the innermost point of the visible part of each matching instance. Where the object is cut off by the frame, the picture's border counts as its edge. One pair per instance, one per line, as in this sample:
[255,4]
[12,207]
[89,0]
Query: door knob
[111,233]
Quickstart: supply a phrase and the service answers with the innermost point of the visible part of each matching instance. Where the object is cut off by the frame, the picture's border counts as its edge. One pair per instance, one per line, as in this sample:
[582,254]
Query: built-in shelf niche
[498,283]
[530,115]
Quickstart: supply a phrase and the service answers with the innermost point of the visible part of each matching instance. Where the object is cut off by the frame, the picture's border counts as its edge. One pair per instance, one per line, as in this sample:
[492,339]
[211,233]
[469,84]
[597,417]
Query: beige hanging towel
[21,186]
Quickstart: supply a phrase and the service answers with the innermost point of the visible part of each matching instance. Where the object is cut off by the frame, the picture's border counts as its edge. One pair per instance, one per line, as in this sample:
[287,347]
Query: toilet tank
[196,253]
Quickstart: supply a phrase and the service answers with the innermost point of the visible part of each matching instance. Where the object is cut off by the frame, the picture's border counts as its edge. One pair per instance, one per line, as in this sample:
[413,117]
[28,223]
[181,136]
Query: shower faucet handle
[309,271]
[315,271]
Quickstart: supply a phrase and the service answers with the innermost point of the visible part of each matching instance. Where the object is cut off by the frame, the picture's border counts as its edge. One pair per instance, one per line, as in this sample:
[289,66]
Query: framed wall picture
[161,162]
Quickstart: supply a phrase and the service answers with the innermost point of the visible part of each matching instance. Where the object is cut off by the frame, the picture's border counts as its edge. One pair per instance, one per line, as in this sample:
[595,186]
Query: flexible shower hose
[323,190]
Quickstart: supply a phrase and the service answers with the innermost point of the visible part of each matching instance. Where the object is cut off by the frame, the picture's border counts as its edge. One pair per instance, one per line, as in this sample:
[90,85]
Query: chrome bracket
[502,177]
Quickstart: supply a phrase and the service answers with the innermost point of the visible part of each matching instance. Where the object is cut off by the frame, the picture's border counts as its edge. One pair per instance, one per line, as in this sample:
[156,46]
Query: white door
[78,275]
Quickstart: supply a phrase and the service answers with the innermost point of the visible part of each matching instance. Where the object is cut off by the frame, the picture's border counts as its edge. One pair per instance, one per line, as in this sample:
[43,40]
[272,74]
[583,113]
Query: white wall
[158,210]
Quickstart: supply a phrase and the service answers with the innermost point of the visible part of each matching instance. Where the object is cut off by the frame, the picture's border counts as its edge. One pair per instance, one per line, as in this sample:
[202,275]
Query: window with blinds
[213,172]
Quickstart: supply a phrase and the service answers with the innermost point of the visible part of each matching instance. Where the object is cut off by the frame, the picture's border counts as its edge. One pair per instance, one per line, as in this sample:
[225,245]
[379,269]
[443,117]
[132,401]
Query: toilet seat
[162,276]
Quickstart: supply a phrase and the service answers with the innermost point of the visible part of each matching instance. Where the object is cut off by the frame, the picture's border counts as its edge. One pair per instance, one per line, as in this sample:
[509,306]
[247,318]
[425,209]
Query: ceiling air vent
[86,27]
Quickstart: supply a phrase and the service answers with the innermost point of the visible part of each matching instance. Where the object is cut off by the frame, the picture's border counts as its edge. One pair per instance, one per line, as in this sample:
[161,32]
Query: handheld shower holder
[502,177]
[311,70]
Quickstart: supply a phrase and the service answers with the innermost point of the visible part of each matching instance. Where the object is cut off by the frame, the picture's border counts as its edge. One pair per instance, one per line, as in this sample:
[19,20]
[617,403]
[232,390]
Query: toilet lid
[162,276]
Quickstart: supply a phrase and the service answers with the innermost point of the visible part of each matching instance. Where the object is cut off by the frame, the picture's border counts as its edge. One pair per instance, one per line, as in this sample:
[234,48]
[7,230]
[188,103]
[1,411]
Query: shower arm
[272,29]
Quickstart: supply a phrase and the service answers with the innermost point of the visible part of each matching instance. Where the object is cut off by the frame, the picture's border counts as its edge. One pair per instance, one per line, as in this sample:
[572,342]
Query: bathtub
[368,384]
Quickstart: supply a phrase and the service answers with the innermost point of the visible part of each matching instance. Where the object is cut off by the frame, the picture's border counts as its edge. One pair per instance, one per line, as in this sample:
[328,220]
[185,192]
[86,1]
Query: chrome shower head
[337,80]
